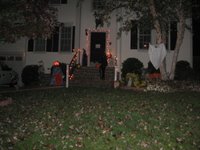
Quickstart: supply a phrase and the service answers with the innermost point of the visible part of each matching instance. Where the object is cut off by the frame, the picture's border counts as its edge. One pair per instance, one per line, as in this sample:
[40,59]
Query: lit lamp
[109,55]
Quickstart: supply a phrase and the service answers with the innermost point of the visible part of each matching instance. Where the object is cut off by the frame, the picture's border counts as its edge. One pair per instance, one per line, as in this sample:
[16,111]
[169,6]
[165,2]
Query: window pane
[2,58]
[10,58]
[173,35]
[18,58]
[39,44]
[134,35]
[56,40]
[30,45]
[49,45]
[52,43]
[144,38]
[66,39]
[63,1]
[98,4]
[54,1]
[140,37]
[58,1]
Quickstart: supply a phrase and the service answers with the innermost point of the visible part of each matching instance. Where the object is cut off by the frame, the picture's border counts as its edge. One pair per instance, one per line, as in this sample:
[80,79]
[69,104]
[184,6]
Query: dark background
[196,34]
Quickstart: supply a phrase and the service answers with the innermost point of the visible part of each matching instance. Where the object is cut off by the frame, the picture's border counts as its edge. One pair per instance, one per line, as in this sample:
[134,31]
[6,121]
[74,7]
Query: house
[77,30]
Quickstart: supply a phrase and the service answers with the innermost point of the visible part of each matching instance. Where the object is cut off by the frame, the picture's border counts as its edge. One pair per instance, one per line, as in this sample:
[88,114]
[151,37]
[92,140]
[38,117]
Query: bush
[131,65]
[183,71]
[135,80]
[30,75]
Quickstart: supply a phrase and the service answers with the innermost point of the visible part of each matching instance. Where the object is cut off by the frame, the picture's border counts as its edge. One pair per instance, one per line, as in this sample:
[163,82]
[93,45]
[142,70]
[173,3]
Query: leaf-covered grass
[100,119]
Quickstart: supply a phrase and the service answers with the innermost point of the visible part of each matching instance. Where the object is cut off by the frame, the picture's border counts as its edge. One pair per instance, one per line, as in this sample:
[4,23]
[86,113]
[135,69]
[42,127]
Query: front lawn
[100,119]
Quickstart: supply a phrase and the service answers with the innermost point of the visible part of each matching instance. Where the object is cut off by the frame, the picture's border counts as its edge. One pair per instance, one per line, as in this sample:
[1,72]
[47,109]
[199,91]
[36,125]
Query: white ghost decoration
[157,53]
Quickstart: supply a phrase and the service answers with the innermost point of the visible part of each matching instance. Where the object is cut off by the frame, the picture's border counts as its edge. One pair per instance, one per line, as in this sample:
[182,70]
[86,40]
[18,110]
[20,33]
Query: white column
[67,76]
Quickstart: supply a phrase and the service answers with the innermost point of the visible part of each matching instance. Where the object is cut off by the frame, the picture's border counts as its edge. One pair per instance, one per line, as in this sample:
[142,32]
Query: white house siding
[14,54]
[82,18]
[184,54]
[66,14]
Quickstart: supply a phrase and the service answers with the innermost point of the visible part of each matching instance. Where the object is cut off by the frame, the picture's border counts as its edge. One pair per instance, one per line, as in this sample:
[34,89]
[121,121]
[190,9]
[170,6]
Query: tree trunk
[158,36]
[179,40]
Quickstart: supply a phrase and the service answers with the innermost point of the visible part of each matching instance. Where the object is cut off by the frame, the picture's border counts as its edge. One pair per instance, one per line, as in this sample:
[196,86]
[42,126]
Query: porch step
[89,77]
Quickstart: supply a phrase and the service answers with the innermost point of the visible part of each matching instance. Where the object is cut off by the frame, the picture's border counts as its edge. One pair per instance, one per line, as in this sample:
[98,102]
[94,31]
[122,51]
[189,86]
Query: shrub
[131,65]
[183,71]
[30,75]
[135,80]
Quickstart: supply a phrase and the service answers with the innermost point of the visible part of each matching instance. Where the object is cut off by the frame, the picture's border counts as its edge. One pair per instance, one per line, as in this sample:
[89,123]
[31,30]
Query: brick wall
[89,77]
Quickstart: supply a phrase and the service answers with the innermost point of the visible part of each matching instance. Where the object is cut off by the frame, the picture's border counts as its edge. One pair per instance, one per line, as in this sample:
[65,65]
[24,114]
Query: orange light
[109,55]
[56,63]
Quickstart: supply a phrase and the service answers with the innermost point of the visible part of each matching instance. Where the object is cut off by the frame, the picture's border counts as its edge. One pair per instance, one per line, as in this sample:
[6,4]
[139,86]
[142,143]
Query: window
[66,39]
[140,37]
[18,58]
[171,36]
[98,4]
[58,1]
[144,38]
[40,44]
[62,40]
[10,58]
[2,58]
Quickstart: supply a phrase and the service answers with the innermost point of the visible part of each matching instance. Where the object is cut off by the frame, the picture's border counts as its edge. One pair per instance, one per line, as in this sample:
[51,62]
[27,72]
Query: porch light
[108,54]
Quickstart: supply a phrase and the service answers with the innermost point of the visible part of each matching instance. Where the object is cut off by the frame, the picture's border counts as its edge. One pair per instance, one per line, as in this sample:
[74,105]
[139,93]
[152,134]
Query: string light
[108,40]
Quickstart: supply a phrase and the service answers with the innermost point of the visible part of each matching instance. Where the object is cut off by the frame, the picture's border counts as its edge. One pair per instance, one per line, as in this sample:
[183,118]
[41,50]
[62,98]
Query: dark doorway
[98,45]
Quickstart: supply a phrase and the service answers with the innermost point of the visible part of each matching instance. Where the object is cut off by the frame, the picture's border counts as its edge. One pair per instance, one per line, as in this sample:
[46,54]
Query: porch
[89,77]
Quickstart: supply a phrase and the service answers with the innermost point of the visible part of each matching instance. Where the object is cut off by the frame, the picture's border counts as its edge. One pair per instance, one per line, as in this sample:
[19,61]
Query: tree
[30,18]
[158,14]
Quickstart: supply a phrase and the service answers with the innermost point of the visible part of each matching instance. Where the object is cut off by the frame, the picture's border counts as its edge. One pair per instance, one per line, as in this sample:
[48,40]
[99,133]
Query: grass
[100,119]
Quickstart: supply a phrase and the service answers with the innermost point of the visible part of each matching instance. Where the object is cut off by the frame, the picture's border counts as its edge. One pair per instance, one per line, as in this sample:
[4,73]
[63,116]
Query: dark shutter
[134,35]
[30,45]
[49,45]
[73,37]
[63,1]
[56,40]
[173,34]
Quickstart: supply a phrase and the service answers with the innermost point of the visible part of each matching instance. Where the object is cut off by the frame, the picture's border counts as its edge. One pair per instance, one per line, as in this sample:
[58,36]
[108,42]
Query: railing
[71,67]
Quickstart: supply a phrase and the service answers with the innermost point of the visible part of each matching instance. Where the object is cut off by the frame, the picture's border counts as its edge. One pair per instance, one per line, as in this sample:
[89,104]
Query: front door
[98,45]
